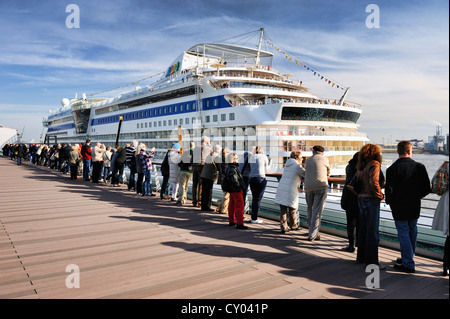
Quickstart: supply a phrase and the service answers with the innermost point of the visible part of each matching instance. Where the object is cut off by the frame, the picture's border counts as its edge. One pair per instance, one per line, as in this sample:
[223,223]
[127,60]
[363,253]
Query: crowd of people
[405,184]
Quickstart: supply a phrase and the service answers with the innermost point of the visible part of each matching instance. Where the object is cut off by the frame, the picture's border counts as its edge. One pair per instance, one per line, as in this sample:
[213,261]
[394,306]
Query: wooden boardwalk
[128,246]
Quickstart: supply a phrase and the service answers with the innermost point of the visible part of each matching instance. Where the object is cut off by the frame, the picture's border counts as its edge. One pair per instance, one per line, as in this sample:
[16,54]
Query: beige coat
[317,170]
[97,154]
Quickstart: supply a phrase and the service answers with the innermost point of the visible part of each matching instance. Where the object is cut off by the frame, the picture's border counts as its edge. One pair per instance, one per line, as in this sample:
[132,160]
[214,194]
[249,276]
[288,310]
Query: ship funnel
[83,96]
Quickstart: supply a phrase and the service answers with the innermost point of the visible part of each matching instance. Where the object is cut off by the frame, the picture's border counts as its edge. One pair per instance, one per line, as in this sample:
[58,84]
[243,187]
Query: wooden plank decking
[127,246]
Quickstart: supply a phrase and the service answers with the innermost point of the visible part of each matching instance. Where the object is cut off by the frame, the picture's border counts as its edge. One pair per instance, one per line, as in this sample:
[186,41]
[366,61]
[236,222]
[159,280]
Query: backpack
[439,182]
[226,184]
[231,182]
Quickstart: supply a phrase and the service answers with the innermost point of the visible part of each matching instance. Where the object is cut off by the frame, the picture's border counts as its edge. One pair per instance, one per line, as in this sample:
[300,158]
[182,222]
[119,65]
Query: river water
[432,162]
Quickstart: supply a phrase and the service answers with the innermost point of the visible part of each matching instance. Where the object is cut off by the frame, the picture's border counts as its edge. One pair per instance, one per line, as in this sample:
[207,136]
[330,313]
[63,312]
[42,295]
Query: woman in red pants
[233,183]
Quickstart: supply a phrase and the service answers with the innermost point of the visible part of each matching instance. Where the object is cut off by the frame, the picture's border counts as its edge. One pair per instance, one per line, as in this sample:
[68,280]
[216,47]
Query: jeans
[117,173]
[244,192]
[86,169]
[147,186]
[257,186]
[407,236]
[106,171]
[368,230]
[315,201]
[132,180]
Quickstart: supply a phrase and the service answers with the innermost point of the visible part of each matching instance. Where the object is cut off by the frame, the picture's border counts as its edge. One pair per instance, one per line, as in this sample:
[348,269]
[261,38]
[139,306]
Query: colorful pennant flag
[299,63]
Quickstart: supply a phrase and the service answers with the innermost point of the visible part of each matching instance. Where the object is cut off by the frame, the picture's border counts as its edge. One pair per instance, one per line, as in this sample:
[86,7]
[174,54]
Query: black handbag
[354,186]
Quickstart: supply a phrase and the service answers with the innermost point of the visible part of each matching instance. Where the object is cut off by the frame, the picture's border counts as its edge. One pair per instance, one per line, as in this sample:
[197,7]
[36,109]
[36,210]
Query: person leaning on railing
[369,198]
[440,222]
[287,191]
[317,171]
[407,182]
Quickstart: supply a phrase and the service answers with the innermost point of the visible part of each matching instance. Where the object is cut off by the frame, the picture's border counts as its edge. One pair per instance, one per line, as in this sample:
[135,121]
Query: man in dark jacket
[407,182]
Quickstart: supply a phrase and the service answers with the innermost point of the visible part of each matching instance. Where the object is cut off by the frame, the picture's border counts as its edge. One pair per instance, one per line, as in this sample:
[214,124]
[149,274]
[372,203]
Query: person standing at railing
[74,160]
[174,160]
[259,165]
[221,167]
[208,176]
[317,171]
[441,222]
[131,163]
[349,203]
[244,168]
[139,171]
[107,163]
[369,199]
[97,161]
[199,154]
[407,182]
[287,191]
[233,183]
[146,166]
[165,172]
[86,155]
[185,174]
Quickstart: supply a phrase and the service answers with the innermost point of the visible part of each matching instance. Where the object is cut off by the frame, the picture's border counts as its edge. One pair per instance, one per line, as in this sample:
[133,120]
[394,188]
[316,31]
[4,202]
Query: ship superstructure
[228,92]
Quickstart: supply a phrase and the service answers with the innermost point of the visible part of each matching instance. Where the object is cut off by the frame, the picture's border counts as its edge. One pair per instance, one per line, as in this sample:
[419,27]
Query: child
[233,183]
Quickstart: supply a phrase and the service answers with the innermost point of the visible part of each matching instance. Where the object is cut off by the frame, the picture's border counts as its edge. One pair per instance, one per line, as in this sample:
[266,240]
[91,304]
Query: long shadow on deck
[290,252]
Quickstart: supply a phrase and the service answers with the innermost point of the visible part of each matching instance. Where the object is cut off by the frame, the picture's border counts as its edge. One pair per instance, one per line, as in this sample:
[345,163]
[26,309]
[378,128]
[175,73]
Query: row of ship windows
[173,134]
[171,109]
[208,118]
[175,122]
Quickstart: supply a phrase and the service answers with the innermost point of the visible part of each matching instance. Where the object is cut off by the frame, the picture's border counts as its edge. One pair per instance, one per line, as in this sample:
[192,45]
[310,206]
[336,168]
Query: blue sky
[399,72]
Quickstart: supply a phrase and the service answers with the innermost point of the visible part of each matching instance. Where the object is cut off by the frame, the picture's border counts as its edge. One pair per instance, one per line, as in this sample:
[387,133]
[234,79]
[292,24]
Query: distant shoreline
[393,150]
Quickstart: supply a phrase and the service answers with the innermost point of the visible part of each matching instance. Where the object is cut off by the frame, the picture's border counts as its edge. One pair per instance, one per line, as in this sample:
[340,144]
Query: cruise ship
[228,92]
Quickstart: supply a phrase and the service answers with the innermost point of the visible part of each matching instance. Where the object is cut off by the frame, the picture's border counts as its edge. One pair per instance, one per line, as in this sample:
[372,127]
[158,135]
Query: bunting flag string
[300,64]
[128,84]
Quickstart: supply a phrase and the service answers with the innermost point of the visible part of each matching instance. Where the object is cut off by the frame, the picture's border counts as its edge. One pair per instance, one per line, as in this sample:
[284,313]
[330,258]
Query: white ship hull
[209,90]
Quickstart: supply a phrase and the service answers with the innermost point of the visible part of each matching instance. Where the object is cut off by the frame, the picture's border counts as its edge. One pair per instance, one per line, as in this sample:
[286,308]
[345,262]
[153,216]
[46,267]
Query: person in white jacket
[440,222]
[287,191]
[174,160]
